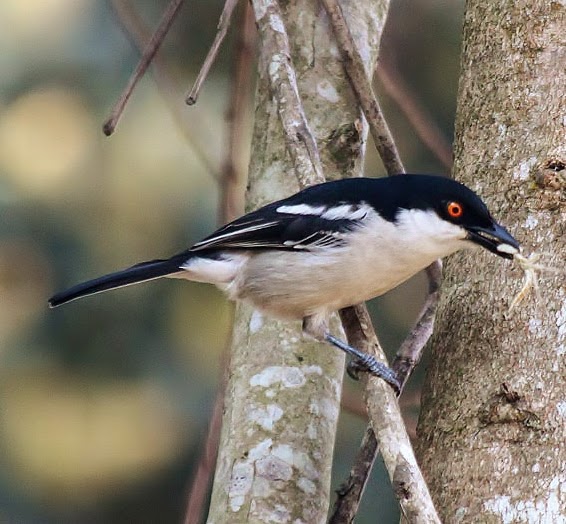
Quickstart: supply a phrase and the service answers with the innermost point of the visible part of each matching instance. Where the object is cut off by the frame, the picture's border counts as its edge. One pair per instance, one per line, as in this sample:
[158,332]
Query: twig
[422,122]
[350,491]
[149,52]
[231,200]
[207,462]
[389,430]
[410,351]
[223,24]
[408,356]
[354,66]
[139,34]
[276,51]
[414,498]
[231,206]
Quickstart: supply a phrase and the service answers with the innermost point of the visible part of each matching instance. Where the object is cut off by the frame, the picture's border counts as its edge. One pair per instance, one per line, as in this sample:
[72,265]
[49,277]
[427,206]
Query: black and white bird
[327,247]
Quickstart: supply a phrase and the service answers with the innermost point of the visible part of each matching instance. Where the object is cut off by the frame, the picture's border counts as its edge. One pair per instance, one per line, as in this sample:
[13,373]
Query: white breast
[379,256]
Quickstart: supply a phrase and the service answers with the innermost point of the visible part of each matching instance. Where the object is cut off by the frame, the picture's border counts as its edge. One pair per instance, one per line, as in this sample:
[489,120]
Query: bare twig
[207,462]
[409,354]
[354,66]
[422,122]
[403,469]
[275,47]
[149,52]
[223,25]
[231,206]
[350,491]
[389,430]
[139,34]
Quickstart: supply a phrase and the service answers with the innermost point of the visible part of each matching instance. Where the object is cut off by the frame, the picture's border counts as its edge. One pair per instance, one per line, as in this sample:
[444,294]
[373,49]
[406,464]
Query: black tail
[133,275]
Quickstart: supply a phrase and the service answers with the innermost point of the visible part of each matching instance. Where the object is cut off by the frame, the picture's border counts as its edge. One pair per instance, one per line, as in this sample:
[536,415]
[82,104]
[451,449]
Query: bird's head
[453,212]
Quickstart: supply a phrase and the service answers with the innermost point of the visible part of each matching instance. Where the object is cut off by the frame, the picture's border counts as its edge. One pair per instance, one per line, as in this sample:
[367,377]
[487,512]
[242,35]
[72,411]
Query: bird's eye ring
[454,209]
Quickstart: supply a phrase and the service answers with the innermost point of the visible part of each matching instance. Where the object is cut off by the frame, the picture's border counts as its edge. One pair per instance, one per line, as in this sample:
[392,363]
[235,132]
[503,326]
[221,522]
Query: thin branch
[223,24]
[410,352]
[354,66]
[207,462]
[147,56]
[232,202]
[231,206]
[276,50]
[422,122]
[414,497]
[135,29]
[350,492]
[389,430]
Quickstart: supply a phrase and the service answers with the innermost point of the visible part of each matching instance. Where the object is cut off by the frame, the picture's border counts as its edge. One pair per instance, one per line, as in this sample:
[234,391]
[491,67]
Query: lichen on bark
[493,423]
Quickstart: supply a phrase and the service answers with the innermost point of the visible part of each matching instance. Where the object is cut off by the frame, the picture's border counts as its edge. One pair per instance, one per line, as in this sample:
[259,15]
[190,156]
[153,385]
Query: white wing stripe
[346,212]
[236,232]
[301,209]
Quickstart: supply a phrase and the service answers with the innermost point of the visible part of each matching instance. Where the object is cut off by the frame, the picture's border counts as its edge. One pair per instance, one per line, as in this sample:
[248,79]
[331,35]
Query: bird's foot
[363,362]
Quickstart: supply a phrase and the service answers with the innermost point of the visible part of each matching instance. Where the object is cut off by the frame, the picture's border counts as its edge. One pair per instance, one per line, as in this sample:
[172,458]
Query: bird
[327,247]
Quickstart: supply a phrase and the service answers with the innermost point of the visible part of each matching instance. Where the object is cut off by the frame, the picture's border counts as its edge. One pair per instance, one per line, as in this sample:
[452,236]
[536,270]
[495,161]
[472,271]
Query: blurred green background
[104,404]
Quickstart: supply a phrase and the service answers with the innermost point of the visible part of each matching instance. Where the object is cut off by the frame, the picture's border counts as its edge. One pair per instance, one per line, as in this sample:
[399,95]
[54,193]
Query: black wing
[295,224]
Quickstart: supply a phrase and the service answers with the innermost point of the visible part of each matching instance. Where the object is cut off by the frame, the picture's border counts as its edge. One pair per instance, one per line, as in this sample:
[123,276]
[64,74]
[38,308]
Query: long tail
[133,275]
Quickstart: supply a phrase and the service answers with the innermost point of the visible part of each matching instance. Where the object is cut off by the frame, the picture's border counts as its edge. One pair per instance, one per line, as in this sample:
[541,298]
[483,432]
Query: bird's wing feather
[295,226]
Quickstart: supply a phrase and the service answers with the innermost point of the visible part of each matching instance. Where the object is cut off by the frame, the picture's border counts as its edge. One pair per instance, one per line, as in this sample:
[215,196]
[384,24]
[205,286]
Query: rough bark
[492,431]
[283,395]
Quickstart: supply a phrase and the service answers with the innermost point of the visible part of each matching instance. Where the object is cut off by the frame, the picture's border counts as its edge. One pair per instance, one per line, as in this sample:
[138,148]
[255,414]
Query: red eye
[454,209]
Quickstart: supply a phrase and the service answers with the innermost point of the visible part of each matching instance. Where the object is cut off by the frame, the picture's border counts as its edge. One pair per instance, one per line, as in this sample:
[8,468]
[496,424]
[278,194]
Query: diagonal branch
[139,34]
[147,56]
[414,498]
[223,24]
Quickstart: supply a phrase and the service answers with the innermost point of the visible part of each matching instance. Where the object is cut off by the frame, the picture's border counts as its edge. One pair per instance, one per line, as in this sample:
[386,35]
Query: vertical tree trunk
[283,395]
[492,432]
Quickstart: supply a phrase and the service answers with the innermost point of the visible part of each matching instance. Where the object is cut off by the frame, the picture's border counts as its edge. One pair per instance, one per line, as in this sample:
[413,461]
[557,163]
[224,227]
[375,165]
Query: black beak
[495,239]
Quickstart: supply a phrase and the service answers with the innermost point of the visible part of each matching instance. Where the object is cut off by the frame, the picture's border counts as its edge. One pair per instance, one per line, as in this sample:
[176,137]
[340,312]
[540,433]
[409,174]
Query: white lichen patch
[561,408]
[547,509]
[298,459]
[561,323]
[327,91]
[274,66]
[311,370]
[276,24]
[523,170]
[260,7]
[265,416]
[329,409]
[240,484]
[306,485]
[273,468]
[261,450]
[535,327]
[531,222]
[256,322]
[285,376]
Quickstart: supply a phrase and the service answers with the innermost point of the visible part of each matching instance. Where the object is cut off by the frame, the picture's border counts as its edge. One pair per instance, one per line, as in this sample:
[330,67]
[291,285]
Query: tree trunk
[492,431]
[283,395]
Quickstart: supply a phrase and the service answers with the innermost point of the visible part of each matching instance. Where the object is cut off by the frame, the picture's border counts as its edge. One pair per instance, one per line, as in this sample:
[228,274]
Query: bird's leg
[317,327]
